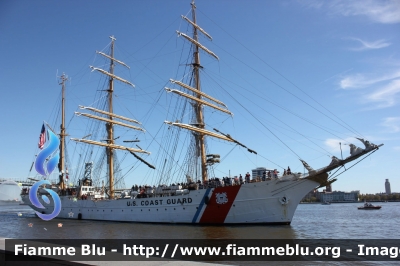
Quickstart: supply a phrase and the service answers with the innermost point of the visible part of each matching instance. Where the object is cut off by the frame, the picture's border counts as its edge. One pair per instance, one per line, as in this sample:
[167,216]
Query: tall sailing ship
[198,199]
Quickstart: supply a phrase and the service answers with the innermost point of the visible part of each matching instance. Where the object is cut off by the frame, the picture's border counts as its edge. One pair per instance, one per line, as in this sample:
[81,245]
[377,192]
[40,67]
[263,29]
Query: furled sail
[198,44]
[109,121]
[198,100]
[112,75]
[197,91]
[115,60]
[199,130]
[109,114]
[197,27]
[113,146]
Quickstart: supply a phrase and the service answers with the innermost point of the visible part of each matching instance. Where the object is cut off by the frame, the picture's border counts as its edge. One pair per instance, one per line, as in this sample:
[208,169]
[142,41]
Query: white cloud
[370,45]
[392,124]
[387,96]
[365,80]
[382,11]
[334,146]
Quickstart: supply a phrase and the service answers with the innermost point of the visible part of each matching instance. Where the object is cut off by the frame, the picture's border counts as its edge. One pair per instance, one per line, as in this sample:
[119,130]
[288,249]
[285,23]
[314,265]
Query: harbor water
[311,221]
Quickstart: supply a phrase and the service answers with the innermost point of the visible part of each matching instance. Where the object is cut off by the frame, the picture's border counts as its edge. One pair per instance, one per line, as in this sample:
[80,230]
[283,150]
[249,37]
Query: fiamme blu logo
[45,163]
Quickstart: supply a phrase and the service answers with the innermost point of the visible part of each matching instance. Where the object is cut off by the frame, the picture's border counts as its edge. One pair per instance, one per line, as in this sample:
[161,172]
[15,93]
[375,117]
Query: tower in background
[329,188]
[258,172]
[387,187]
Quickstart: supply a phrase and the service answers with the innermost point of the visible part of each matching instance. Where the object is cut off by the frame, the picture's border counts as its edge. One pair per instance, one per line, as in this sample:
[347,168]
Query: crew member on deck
[275,173]
[247,177]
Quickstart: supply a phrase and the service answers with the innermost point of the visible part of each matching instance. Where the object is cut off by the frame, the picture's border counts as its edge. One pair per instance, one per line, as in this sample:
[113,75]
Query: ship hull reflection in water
[312,221]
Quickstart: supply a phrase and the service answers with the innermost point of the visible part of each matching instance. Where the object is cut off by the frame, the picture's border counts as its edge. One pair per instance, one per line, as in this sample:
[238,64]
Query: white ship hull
[271,202]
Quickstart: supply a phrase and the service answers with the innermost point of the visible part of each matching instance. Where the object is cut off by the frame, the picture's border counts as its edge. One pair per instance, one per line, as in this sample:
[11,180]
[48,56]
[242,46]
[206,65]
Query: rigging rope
[352,165]
[347,126]
[275,116]
[262,124]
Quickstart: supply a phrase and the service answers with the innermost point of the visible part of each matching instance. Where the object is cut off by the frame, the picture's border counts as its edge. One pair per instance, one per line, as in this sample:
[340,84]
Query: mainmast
[200,99]
[109,125]
[198,106]
[61,166]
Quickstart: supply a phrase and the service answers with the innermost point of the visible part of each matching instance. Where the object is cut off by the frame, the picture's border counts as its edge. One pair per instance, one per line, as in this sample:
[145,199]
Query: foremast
[199,98]
[110,118]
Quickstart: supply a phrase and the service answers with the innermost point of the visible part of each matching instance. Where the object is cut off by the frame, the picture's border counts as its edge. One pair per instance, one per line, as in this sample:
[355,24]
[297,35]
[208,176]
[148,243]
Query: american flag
[42,138]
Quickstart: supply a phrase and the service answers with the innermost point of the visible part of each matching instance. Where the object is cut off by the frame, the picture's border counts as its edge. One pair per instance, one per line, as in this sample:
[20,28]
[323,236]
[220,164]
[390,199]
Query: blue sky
[344,54]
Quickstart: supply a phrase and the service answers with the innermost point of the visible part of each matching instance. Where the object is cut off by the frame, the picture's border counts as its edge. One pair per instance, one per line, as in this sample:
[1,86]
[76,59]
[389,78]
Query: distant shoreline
[318,202]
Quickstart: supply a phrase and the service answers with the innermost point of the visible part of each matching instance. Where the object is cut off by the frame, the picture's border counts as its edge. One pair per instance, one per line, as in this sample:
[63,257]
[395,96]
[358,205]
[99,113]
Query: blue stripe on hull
[200,206]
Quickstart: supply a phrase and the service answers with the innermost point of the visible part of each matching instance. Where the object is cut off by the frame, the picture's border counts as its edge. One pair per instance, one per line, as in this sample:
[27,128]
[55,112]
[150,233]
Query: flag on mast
[42,138]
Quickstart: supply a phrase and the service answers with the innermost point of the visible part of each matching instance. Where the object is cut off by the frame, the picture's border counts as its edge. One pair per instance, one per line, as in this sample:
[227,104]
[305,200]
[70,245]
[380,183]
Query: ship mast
[109,126]
[110,119]
[200,99]
[62,135]
[198,105]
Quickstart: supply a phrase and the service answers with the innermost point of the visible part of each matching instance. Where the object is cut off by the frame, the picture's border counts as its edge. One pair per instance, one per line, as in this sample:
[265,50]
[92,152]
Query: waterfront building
[339,196]
[258,172]
[387,187]
[9,191]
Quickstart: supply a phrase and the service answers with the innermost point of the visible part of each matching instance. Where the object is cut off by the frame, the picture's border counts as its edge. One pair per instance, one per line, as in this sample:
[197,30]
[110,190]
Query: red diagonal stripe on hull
[216,213]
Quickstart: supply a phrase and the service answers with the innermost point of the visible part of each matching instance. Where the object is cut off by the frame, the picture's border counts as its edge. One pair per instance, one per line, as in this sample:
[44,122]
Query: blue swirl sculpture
[35,201]
[47,154]
[54,143]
